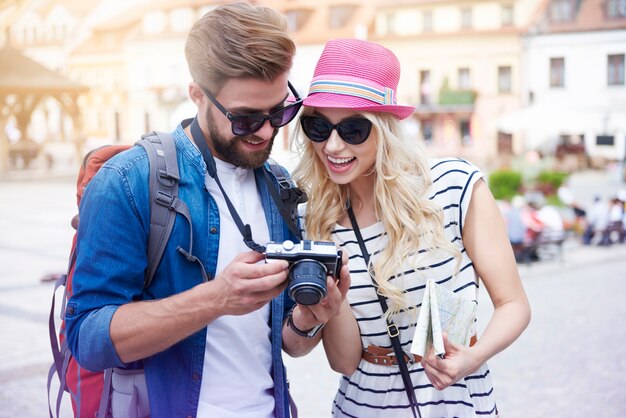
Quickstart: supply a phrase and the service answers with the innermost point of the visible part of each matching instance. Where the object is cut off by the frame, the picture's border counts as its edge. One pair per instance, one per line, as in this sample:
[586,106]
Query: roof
[587,15]
[20,74]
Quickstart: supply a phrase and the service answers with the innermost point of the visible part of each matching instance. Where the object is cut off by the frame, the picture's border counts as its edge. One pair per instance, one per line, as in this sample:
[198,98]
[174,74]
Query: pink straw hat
[356,74]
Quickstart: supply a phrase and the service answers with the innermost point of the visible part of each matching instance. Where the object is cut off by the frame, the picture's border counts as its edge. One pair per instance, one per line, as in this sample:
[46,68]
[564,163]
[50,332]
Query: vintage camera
[309,263]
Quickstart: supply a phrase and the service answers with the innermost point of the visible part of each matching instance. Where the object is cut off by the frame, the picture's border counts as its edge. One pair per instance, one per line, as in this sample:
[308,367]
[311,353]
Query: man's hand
[246,285]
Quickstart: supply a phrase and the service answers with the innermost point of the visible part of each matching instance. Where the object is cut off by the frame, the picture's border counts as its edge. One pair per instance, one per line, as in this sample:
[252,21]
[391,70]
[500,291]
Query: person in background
[552,220]
[615,225]
[209,330]
[516,228]
[597,220]
[374,192]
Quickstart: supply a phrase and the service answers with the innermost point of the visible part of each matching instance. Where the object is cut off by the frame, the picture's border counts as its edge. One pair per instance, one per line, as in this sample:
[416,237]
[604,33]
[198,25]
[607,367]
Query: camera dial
[288,245]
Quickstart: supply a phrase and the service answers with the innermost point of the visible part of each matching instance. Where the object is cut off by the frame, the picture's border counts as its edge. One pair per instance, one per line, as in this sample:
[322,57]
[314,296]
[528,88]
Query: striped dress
[376,390]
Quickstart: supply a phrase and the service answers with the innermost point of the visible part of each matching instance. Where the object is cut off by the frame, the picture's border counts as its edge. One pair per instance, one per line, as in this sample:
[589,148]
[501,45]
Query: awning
[550,119]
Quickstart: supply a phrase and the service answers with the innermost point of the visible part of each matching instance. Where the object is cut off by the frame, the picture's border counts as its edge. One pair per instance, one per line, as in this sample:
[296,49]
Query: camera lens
[307,282]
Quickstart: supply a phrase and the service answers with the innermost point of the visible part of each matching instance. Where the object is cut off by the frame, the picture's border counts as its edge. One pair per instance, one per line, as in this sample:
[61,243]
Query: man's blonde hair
[411,220]
[238,40]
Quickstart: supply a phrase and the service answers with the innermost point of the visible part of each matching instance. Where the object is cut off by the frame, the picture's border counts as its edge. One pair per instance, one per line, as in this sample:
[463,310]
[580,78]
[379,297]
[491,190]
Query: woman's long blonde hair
[410,219]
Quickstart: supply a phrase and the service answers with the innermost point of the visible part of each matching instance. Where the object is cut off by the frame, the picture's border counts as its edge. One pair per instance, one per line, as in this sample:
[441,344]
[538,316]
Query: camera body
[309,263]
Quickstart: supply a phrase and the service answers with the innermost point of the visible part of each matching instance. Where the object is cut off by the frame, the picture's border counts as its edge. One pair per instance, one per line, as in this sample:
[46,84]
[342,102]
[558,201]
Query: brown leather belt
[386,357]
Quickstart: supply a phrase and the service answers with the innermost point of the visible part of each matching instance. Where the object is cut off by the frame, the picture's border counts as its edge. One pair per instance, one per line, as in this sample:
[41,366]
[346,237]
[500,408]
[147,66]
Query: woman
[419,219]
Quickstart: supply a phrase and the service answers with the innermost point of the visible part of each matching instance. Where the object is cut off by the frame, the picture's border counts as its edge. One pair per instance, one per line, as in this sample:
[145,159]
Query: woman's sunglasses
[243,125]
[353,130]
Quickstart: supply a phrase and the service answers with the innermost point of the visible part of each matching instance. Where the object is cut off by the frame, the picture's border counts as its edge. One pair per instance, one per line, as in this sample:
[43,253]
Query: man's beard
[228,151]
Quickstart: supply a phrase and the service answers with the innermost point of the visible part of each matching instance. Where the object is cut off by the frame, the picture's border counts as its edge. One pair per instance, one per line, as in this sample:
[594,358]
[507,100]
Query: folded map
[443,310]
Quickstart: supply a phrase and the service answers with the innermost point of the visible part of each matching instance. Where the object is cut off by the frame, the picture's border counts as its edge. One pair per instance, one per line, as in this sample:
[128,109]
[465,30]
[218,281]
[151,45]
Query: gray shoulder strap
[163,186]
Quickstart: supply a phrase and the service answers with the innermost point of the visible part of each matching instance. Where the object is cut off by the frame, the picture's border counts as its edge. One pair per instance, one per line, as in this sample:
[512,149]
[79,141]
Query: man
[209,347]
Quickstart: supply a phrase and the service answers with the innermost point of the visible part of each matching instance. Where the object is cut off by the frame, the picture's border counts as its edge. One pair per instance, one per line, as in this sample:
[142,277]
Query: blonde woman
[416,219]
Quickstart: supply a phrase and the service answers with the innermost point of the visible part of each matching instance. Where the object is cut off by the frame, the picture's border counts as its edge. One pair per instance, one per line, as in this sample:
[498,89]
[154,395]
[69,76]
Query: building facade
[574,95]
[483,74]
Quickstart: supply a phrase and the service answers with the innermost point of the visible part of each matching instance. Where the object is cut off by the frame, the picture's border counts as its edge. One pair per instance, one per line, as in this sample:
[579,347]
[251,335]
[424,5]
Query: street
[568,363]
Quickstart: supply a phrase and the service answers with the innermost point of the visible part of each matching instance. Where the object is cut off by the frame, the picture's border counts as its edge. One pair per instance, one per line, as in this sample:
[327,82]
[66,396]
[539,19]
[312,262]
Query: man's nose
[266,131]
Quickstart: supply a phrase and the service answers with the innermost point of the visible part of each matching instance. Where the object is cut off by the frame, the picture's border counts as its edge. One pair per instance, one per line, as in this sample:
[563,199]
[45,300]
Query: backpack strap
[105,399]
[60,352]
[164,202]
[287,197]
[163,187]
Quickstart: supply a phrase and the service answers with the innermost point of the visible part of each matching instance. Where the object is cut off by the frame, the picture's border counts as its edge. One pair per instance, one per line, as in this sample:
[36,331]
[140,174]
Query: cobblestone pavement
[570,362]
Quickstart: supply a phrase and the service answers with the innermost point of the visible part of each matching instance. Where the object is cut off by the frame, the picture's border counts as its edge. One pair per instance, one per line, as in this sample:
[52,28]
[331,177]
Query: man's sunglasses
[243,125]
[352,130]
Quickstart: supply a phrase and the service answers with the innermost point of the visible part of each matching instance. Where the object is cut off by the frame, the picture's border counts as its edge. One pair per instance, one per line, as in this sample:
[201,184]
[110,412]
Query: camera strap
[244,229]
[392,329]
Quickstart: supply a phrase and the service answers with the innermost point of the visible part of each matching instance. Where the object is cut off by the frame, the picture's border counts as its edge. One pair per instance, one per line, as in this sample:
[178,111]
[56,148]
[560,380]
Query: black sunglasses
[352,130]
[243,125]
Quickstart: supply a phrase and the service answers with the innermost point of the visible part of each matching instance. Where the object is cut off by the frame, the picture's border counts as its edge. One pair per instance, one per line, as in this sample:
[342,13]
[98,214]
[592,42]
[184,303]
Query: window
[296,19]
[181,19]
[390,19]
[557,72]
[427,131]
[425,87]
[615,70]
[466,137]
[561,11]
[507,15]
[504,79]
[466,18]
[465,82]
[505,143]
[154,23]
[427,21]
[339,15]
[616,9]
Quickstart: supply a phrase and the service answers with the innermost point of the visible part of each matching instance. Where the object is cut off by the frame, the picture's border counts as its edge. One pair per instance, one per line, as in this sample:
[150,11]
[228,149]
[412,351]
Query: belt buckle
[410,359]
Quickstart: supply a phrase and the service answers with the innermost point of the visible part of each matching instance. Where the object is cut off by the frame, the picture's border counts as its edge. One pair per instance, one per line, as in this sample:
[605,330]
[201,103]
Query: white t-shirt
[236,378]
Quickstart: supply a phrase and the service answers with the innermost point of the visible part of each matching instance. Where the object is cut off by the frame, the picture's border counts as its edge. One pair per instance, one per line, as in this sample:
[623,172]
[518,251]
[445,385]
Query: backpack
[90,391]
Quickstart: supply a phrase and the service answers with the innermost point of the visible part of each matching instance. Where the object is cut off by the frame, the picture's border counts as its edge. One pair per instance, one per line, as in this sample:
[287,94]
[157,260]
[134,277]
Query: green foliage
[549,181]
[504,184]
[553,200]
[448,96]
[457,97]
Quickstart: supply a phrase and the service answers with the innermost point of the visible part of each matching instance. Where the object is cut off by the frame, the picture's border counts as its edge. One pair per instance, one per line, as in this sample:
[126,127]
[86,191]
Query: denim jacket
[109,272]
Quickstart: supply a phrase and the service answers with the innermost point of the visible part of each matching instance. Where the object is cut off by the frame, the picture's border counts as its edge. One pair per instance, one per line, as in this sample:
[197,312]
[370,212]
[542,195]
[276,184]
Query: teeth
[253,142]
[339,160]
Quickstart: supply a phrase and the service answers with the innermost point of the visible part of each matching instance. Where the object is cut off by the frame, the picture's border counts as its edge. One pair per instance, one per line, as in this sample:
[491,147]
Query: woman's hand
[459,361]
[329,307]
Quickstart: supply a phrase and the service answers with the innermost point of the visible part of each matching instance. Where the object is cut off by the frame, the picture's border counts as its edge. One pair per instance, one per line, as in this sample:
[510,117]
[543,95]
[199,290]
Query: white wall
[586,104]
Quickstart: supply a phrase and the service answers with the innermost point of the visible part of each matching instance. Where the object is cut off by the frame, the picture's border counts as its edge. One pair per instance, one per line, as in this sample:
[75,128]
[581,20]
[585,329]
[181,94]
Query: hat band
[383,97]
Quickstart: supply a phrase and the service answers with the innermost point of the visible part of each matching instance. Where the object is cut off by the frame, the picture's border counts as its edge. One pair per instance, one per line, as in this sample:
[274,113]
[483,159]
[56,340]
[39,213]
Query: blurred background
[504,83]
[531,91]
